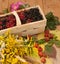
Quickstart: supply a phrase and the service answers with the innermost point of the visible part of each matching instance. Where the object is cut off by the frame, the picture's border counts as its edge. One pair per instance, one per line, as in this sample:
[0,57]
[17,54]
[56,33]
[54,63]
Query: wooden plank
[30,2]
[13,1]
[52,5]
[40,2]
[0,6]
[4,4]
[34,2]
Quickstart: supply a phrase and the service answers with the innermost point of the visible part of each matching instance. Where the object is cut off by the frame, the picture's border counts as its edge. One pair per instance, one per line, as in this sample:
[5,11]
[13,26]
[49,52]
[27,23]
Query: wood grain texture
[52,5]
[0,6]
[4,4]
[46,5]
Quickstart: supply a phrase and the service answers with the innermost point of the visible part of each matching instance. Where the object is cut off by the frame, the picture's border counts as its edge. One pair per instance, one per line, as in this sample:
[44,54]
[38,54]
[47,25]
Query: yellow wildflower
[1,38]
[14,61]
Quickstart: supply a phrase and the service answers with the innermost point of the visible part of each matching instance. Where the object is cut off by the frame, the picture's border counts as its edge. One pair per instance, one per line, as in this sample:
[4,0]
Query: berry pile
[41,54]
[7,21]
[30,15]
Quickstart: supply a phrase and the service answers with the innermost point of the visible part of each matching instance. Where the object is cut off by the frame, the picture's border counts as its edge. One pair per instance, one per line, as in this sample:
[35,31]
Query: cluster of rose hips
[7,21]
[47,35]
[41,54]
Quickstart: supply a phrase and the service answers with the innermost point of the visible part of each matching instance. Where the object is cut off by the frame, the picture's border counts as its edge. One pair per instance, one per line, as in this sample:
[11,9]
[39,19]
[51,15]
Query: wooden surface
[46,5]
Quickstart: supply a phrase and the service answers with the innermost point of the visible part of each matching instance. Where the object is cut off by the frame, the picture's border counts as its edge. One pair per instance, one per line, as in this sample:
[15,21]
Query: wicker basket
[29,28]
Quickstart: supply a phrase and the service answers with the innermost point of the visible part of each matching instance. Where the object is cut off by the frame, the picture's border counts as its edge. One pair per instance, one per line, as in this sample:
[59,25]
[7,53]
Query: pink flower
[15,6]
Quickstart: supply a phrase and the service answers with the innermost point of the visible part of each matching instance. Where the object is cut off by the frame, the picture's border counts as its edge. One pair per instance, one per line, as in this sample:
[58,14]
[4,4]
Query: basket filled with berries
[29,20]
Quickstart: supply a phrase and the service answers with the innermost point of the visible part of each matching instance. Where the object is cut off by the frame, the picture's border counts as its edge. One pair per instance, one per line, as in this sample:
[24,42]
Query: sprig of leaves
[5,11]
[57,43]
[41,41]
[52,21]
[48,49]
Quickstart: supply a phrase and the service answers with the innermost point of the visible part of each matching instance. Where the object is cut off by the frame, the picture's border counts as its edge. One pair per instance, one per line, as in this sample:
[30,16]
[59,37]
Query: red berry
[21,15]
[11,25]
[10,17]
[47,39]
[28,21]
[7,25]
[51,36]
[43,60]
[36,45]
[40,54]
[40,49]
[46,31]
[0,23]
[1,27]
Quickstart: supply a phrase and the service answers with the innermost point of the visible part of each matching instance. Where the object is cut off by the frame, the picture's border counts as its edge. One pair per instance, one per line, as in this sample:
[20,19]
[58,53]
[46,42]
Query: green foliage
[57,43]
[48,49]
[52,21]
[41,41]
[51,42]
[5,11]
[21,7]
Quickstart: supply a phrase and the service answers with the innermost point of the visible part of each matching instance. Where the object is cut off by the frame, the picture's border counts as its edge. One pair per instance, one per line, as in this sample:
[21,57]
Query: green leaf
[48,49]
[33,38]
[57,22]
[52,21]
[21,7]
[51,42]
[5,11]
[57,43]
[41,41]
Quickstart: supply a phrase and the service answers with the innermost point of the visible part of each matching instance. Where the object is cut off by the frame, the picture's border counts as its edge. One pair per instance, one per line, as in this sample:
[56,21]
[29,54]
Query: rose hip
[40,54]
[47,39]
[43,60]
[51,36]
[40,49]
[46,31]
[46,35]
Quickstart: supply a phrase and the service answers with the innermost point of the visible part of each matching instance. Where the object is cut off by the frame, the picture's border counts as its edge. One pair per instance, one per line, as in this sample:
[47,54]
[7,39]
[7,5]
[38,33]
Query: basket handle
[17,18]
